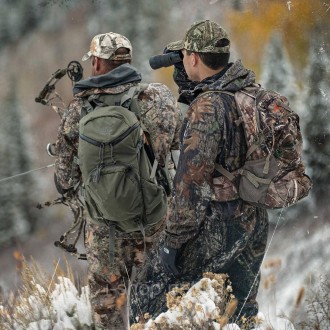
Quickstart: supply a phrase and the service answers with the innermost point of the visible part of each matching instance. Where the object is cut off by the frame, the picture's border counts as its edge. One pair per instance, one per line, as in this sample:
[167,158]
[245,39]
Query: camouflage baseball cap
[203,37]
[105,45]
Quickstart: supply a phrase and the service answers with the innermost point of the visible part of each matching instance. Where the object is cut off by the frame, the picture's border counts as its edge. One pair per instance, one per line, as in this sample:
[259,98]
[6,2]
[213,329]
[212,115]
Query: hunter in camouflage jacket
[161,117]
[210,236]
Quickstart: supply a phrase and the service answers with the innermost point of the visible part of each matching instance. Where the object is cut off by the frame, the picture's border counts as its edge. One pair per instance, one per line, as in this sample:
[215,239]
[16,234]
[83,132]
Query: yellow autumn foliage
[251,27]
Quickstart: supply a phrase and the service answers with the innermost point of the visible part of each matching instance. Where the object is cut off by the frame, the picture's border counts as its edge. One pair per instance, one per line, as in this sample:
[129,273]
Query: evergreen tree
[318,123]
[17,207]
[18,18]
[277,71]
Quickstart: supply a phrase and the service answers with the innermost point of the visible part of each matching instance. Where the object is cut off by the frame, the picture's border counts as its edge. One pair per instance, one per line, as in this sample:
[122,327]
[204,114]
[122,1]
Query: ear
[194,59]
[97,64]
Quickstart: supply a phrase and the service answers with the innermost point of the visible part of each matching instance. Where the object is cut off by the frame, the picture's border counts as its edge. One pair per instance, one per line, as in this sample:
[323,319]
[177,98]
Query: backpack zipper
[114,141]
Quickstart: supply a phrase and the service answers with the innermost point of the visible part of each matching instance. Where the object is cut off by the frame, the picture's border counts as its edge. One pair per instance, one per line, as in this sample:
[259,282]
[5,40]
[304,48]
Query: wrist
[171,243]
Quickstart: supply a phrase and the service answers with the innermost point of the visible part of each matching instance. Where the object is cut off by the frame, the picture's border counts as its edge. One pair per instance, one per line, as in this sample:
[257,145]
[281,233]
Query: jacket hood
[233,79]
[121,75]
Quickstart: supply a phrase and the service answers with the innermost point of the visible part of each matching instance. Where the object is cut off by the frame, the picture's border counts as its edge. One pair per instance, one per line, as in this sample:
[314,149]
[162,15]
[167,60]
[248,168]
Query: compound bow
[49,97]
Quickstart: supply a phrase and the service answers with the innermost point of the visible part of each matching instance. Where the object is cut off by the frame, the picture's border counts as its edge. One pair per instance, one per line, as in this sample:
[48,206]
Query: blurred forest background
[287,44]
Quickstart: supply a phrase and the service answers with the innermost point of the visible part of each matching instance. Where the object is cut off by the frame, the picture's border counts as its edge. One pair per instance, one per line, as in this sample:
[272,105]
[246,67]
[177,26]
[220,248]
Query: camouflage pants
[110,287]
[231,240]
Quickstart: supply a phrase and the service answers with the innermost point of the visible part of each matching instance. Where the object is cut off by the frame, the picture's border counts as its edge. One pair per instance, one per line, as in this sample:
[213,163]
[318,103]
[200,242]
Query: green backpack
[119,170]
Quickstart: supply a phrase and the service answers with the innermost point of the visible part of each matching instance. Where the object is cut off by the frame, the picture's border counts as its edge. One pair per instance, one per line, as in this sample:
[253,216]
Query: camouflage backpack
[273,175]
[118,167]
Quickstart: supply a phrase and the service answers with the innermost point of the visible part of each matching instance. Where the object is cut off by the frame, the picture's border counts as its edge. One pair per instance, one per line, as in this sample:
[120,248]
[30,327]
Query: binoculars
[164,60]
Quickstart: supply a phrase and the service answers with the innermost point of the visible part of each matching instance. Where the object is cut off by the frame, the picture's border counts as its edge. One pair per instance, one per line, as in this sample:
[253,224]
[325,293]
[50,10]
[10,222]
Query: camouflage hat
[203,37]
[105,45]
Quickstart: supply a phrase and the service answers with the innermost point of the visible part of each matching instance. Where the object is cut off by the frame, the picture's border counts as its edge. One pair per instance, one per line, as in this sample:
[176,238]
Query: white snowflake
[289,4]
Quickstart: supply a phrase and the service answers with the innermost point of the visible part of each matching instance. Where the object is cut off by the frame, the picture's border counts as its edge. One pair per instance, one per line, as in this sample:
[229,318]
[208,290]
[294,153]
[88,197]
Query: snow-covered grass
[206,305]
[55,302]
[47,302]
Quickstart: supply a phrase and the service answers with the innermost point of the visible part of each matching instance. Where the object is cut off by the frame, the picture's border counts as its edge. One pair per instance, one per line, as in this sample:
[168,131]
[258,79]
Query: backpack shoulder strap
[134,98]
[247,110]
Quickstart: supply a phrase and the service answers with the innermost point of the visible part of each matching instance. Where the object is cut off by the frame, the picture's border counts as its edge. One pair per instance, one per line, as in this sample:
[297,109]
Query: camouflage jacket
[160,115]
[209,135]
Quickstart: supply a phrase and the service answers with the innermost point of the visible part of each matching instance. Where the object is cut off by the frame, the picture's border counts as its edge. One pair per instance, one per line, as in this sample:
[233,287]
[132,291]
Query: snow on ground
[298,254]
[204,304]
[297,258]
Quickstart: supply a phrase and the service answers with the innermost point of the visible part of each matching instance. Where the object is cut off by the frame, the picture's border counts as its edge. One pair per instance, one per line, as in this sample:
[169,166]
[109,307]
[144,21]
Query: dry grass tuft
[32,302]
[271,267]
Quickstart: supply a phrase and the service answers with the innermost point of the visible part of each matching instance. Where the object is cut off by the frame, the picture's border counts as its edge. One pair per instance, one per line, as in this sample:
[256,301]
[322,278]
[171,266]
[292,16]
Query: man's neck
[206,72]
